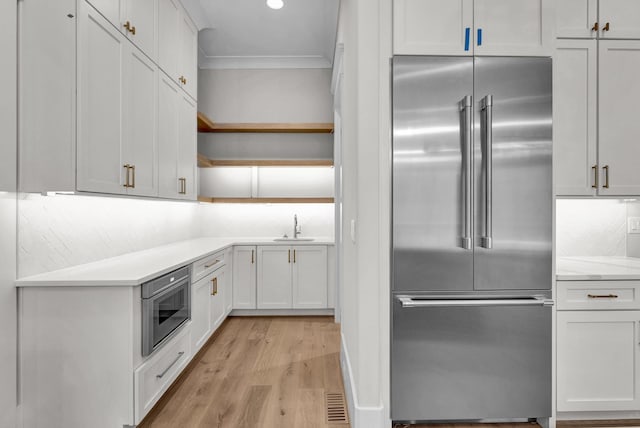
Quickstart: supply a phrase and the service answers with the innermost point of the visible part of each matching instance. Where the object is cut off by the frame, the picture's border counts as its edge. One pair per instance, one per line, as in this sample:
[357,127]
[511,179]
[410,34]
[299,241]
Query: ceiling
[248,34]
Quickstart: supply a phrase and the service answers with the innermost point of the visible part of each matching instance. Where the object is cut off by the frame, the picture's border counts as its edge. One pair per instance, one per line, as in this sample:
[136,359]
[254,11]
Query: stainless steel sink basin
[293,239]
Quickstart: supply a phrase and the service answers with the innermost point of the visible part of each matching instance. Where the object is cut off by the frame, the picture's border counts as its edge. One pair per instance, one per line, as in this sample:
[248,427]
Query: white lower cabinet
[292,277]
[244,277]
[228,292]
[200,313]
[598,346]
[154,377]
[217,287]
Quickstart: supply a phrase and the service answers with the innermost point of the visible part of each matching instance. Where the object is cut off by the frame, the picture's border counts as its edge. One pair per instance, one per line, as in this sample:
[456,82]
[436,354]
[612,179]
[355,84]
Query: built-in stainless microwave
[166,306]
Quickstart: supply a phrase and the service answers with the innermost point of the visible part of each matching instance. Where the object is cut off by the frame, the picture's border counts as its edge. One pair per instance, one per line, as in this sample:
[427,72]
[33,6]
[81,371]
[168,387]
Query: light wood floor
[257,372]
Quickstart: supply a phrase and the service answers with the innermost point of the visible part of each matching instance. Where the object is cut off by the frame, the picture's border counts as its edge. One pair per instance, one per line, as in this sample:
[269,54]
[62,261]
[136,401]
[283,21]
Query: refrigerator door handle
[467,154]
[421,302]
[486,125]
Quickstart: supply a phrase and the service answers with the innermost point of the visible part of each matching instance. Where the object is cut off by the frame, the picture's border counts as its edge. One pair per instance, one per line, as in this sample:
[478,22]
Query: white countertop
[597,268]
[136,268]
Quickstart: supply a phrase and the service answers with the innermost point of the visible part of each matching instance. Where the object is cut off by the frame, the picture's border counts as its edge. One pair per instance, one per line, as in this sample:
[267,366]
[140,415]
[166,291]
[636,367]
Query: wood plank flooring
[257,372]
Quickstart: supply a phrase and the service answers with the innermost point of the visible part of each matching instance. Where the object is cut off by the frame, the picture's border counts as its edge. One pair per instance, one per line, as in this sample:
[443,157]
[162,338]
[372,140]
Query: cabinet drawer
[155,376]
[206,265]
[604,295]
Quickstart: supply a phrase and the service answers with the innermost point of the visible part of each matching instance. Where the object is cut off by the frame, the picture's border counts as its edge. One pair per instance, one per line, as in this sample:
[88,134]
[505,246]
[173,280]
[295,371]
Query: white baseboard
[359,416]
[280,312]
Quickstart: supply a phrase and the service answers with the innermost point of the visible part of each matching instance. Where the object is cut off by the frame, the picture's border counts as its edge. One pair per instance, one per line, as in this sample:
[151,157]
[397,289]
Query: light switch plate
[633,225]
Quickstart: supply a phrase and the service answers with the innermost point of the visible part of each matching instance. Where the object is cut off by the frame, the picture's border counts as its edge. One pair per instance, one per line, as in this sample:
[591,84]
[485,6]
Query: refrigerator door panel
[476,360]
[432,193]
[513,169]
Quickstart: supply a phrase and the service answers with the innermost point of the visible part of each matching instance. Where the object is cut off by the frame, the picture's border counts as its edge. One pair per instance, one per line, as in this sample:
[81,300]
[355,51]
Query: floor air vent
[336,408]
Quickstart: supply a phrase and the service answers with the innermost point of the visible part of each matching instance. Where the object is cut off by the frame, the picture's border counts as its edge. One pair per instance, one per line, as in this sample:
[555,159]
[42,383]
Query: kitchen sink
[293,239]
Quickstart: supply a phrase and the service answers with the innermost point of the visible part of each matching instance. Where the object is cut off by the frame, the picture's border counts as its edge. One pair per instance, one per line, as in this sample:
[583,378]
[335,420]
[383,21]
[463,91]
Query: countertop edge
[44,280]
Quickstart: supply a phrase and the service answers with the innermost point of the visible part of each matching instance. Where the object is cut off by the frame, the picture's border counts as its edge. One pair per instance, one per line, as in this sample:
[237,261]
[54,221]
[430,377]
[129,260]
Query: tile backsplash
[596,227]
[59,231]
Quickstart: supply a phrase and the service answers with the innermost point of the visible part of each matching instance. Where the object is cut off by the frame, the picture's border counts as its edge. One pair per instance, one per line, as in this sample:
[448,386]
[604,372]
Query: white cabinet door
[433,27]
[623,17]
[217,290]
[310,277]
[140,104]
[200,313]
[514,27]
[575,102]
[228,290]
[244,277]
[274,277]
[110,9]
[100,167]
[168,140]
[598,361]
[188,55]
[576,18]
[168,37]
[47,94]
[142,17]
[619,127]
[187,148]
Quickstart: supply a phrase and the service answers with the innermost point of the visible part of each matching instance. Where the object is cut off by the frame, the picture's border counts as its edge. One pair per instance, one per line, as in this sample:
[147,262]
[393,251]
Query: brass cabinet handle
[595,176]
[252,256]
[212,264]
[126,174]
[183,186]
[595,27]
[214,286]
[133,176]
[294,256]
[602,296]
[606,176]
[289,258]
[130,28]
[606,27]
[183,80]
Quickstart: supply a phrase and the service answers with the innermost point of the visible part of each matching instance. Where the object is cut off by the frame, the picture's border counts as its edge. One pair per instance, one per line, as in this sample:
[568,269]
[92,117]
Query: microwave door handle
[169,287]
[465,133]
[486,131]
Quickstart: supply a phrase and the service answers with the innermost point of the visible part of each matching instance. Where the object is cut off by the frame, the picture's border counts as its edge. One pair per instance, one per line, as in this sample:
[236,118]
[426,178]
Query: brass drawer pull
[595,176]
[289,256]
[212,264]
[126,177]
[602,296]
[214,288]
[595,27]
[606,27]
[606,176]
[294,256]
[252,256]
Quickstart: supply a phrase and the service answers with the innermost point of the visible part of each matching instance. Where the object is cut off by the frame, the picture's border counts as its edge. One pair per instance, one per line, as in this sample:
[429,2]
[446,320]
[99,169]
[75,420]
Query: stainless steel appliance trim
[161,375]
[467,156]
[158,285]
[486,105]
[422,302]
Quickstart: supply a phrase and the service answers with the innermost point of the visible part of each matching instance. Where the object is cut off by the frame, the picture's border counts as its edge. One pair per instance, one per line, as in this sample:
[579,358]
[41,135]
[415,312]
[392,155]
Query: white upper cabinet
[575,85]
[513,27]
[139,23]
[100,166]
[433,26]
[619,19]
[467,27]
[110,9]
[140,149]
[168,37]
[178,45]
[576,19]
[619,127]
[604,19]
[187,148]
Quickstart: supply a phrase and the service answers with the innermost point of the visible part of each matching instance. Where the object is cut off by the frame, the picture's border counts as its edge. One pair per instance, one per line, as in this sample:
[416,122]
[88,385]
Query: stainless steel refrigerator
[472,227]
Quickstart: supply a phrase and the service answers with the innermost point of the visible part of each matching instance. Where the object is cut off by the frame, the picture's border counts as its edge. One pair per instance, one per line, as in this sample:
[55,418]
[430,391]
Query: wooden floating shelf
[207,125]
[267,200]
[203,162]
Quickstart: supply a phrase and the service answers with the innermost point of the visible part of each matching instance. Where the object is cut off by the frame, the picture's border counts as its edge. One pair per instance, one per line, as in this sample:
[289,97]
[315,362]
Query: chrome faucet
[297,230]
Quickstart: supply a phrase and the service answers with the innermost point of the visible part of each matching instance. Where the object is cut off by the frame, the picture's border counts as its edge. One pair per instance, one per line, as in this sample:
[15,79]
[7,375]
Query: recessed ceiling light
[275,4]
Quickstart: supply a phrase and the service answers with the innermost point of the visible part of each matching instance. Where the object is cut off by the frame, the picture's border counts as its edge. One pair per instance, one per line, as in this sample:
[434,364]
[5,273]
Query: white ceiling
[248,34]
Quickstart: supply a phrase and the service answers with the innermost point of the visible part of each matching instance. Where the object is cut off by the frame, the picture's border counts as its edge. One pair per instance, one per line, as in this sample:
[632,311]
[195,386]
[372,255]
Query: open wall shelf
[204,162]
[207,125]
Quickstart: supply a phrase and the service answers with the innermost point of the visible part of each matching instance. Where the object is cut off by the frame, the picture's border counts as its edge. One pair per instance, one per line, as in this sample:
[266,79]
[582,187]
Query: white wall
[8,161]
[59,231]
[366,182]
